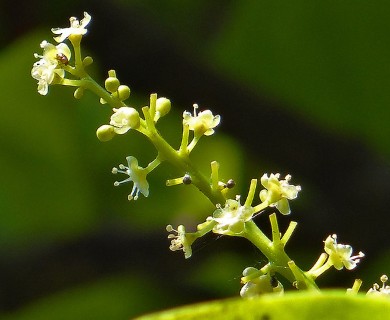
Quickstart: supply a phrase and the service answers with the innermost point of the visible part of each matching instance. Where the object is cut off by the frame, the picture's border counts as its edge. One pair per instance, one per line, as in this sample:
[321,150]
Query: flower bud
[87,61]
[79,92]
[105,133]
[112,84]
[123,92]
[163,106]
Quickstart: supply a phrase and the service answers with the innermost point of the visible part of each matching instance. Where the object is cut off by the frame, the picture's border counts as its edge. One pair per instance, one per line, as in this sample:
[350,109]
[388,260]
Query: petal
[283,206]
[237,227]
[290,192]
[63,48]
[87,18]
[209,132]
[344,250]
[263,195]
[350,264]
[216,120]
[337,263]
[264,180]
[120,130]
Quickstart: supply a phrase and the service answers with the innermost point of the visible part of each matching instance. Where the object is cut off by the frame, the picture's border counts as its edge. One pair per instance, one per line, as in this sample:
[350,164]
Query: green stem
[92,85]
[183,162]
[276,255]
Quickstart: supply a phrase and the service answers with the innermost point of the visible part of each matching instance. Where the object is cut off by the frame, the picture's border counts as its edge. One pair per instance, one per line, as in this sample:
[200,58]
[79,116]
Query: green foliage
[45,193]
[302,306]
[328,60]
[118,297]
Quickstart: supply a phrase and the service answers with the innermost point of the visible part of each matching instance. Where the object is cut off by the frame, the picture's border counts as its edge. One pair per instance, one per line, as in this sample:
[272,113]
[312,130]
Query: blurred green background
[302,88]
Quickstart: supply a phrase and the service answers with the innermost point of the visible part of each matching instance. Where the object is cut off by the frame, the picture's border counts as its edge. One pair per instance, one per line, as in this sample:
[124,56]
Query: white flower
[377,290]
[44,72]
[179,241]
[76,28]
[278,192]
[259,284]
[124,119]
[231,219]
[340,255]
[202,123]
[136,174]
[49,66]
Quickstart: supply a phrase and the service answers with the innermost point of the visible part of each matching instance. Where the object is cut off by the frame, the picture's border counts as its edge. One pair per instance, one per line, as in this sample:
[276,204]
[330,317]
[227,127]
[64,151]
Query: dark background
[302,88]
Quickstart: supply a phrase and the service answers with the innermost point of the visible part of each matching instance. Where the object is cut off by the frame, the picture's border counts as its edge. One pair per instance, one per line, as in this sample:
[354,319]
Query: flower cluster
[229,216]
[50,68]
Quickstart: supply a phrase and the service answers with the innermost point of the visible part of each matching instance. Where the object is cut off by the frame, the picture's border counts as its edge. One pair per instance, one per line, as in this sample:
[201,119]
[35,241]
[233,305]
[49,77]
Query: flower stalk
[230,217]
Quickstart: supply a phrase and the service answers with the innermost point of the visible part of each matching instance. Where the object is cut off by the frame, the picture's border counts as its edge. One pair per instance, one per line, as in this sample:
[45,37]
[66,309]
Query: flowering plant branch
[61,65]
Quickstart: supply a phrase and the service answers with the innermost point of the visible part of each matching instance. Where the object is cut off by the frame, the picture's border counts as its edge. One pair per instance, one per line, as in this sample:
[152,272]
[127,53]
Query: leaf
[298,305]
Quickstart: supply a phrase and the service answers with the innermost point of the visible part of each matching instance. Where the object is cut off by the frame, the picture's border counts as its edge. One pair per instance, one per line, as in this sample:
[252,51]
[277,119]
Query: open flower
[76,28]
[124,119]
[259,284]
[201,123]
[377,290]
[231,218]
[340,255]
[180,240]
[278,192]
[48,68]
[136,174]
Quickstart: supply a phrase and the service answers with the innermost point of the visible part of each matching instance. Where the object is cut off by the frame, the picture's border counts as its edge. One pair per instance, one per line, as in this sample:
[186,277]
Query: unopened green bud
[123,92]
[163,106]
[87,61]
[112,84]
[79,92]
[105,132]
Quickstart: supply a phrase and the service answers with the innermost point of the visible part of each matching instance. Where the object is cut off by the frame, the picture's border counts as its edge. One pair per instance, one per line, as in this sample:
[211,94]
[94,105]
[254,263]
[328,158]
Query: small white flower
[377,290]
[124,119]
[136,174]
[278,192]
[340,255]
[231,218]
[179,240]
[76,28]
[49,66]
[202,123]
[259,284]
[44,72]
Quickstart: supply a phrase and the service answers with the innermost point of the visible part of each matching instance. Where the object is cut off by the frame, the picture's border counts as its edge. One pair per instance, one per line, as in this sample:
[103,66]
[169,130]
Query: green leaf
[298,305]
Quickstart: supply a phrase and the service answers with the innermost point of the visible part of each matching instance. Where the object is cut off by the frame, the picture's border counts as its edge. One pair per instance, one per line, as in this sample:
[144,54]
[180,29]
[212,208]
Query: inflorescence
[59,65]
